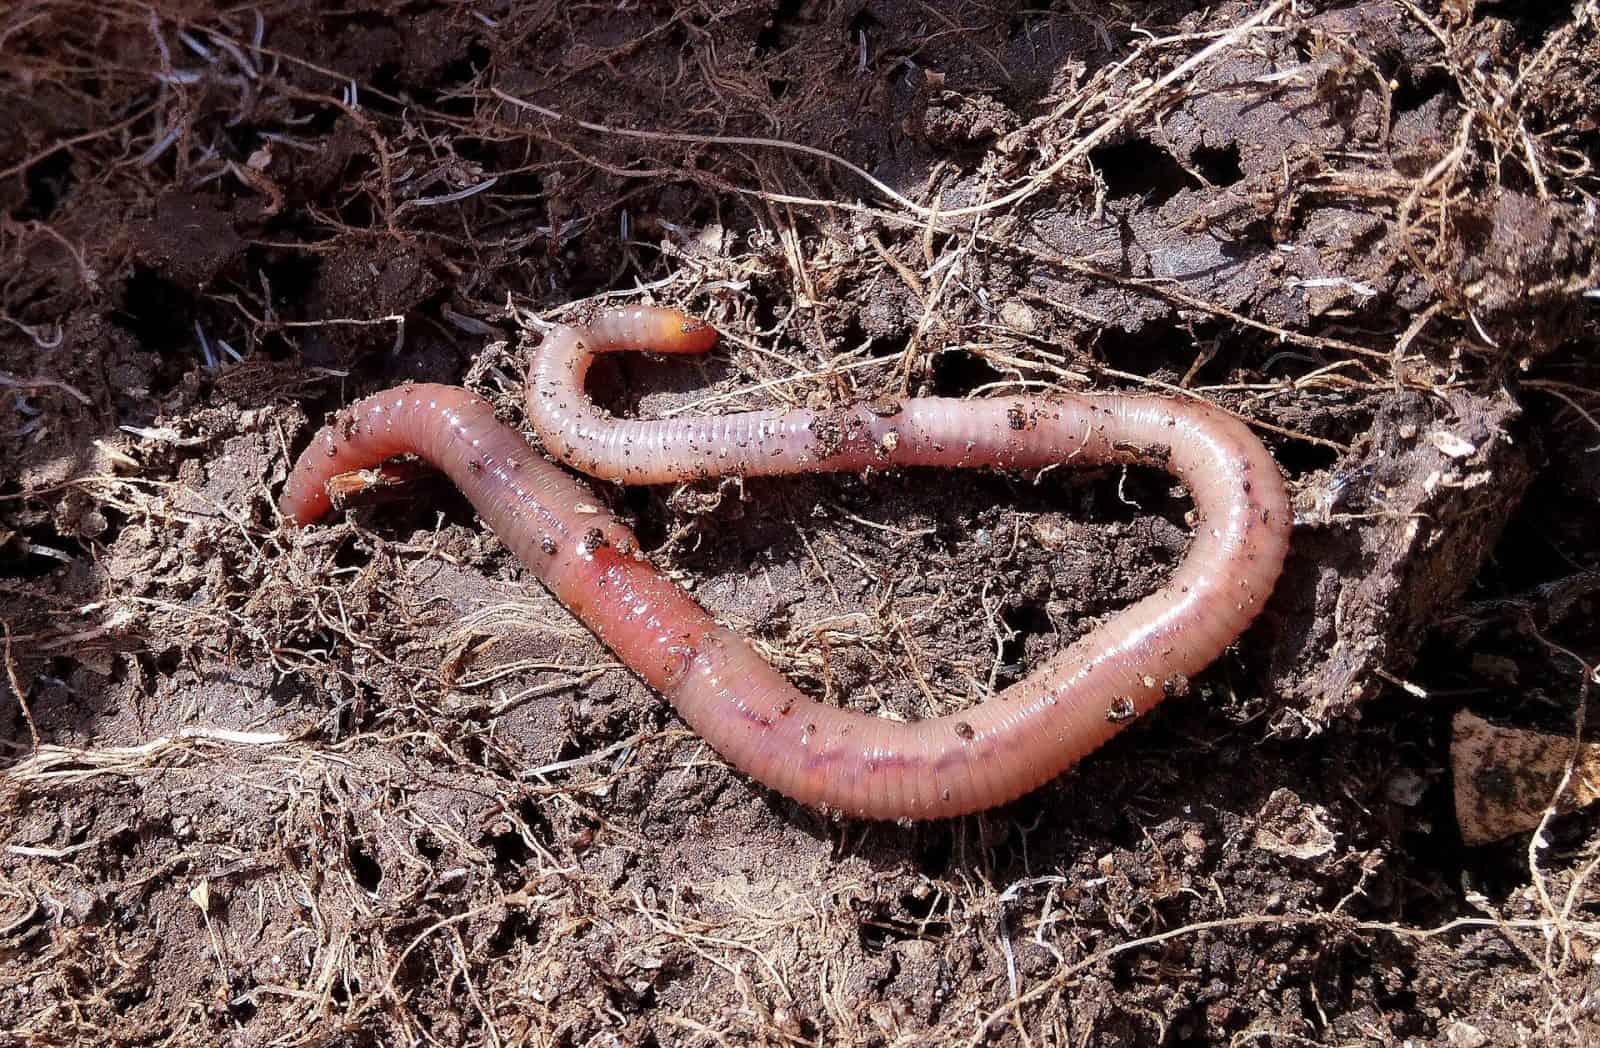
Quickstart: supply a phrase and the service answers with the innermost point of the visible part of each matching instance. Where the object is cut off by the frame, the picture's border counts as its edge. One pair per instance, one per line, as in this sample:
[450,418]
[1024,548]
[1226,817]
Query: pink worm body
[841,759]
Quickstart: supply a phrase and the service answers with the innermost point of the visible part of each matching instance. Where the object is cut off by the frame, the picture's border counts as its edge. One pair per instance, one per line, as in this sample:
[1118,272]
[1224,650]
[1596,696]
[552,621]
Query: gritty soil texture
[367,783]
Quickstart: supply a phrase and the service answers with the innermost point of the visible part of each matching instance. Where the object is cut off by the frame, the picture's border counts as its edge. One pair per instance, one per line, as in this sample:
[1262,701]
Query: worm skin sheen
[839,759]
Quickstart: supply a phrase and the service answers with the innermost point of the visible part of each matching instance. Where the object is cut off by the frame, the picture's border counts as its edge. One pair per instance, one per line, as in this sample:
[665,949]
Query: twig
[16,687]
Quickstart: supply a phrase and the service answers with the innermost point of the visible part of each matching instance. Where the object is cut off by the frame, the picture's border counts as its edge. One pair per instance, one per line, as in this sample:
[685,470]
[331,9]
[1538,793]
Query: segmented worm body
[842,759]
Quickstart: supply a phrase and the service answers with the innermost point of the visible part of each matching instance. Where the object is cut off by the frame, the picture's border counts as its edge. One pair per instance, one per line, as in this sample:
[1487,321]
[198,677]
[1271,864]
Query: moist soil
[367,783]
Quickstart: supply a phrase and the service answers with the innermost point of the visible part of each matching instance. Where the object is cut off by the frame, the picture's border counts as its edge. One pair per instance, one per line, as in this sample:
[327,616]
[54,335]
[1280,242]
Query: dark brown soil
[365,784]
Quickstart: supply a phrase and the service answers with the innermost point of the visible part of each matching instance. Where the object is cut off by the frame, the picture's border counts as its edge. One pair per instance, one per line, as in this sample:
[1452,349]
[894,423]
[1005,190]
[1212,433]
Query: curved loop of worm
[841,759]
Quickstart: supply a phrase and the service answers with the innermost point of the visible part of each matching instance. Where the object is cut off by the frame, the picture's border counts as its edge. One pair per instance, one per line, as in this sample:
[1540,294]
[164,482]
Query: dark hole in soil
[767,313]
[525,186]
[854,333]
[878,931]
[1417,87]
[1027,620]
[936,849]
[1156,349]
[777,87]
[324,118]
[957,373]
[344,719]
[644,1000]
[1023,27]
[1142,169]
[291,279]
[771,34]
[861,23]
[350,555]
[20,563]
[925,909]
[874,937]
[510,850]
[425,501]
[1532,21]
[239,140]
[514,928]
[242,1009]
[463,70]
[290,275]
[155,311]
[1299,457]
[644,510]
[358,210]
[293,689]
[385,78]
[48,182]
[1219,166]
[368,873]
[126,1000]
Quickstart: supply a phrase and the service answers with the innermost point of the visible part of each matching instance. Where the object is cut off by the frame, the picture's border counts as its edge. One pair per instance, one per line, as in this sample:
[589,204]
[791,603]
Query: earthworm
[838,759]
